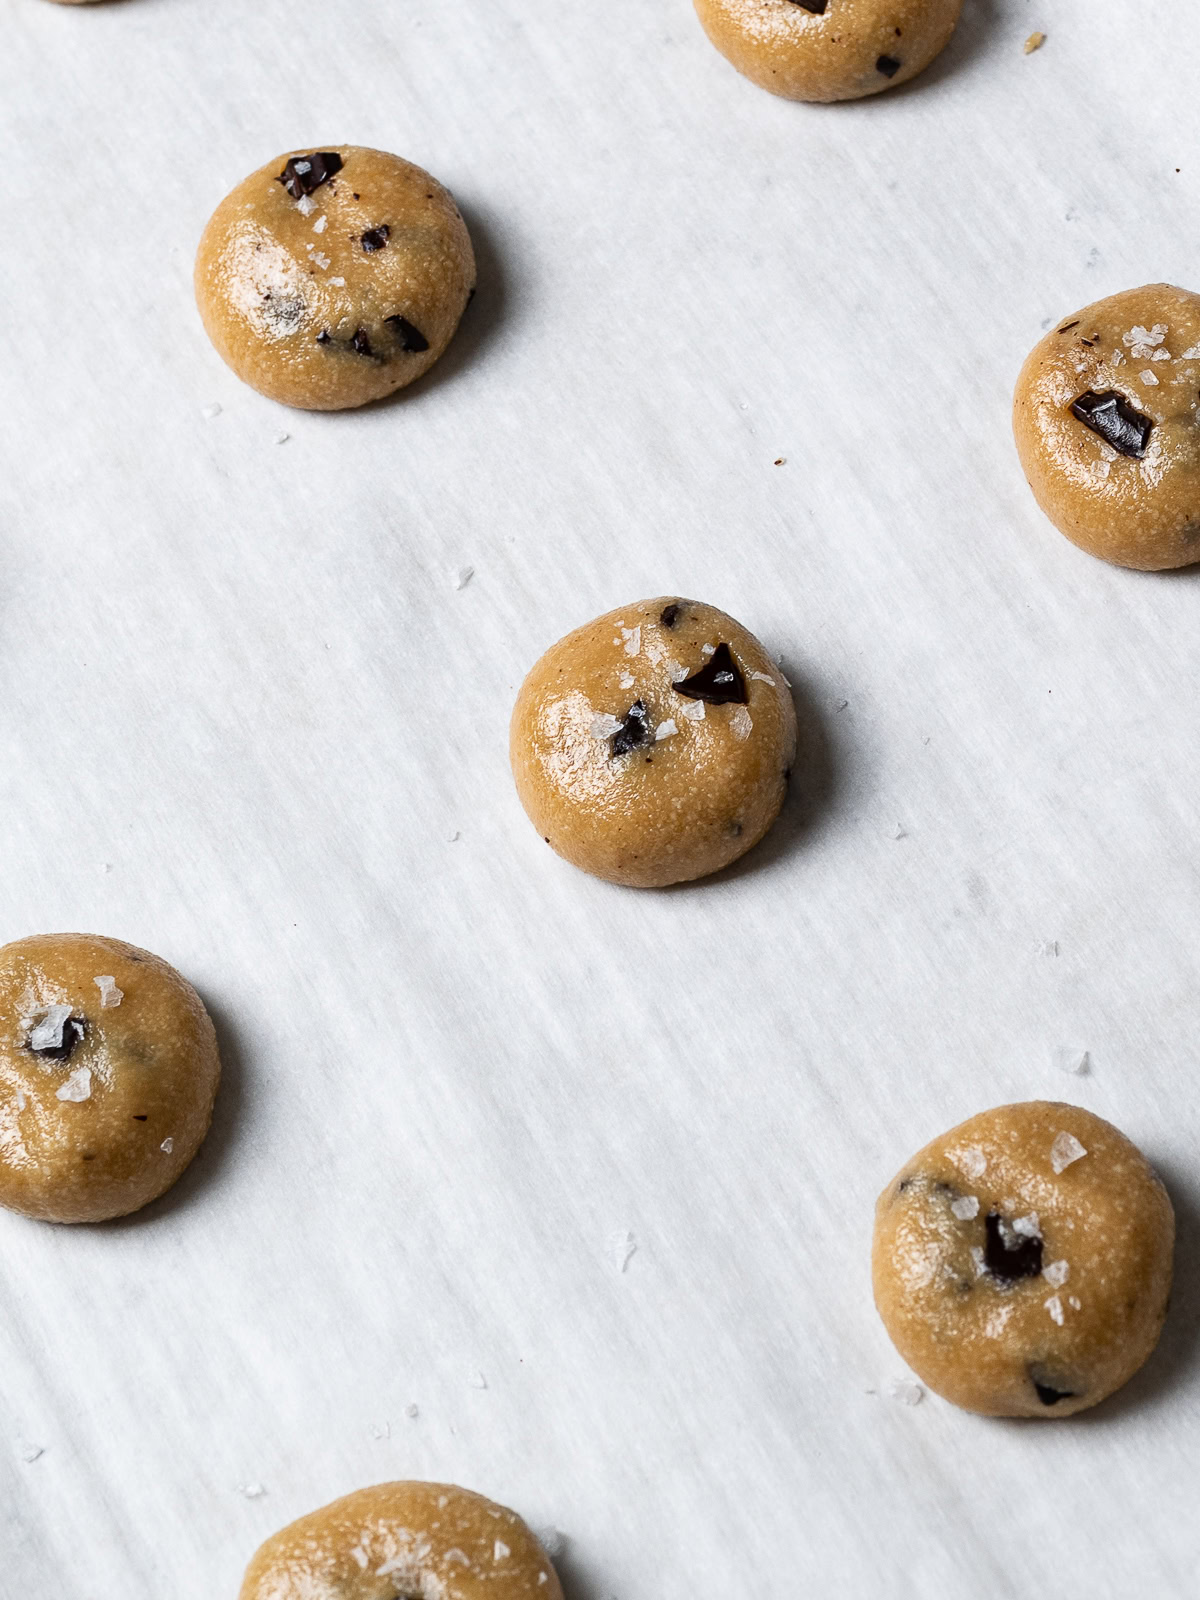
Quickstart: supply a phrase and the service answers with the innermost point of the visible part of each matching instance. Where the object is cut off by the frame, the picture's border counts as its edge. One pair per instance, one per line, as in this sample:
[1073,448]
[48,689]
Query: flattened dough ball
[404,1541]
[829,49]
[1022,1262]
[1106,417]
[654,745]
[333,277]
[108,1071]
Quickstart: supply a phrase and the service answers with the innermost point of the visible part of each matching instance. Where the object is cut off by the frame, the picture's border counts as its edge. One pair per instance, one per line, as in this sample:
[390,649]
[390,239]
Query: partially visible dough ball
[108,1072]
[1106,417]
[829,49]
[333,277]
[404,1541]
[1022,1262]
[654,745]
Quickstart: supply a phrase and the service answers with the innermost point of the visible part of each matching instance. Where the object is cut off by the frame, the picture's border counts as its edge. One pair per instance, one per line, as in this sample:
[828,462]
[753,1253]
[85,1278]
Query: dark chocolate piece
[73,1031]
[138,1118]
[303,174]
[817,7]
[376,238]
[361,343]
[719,681]
[888,65]
[411,339]
[1009,1255]
[670,614]
[1117,422]
[1050,1396]
[635,730]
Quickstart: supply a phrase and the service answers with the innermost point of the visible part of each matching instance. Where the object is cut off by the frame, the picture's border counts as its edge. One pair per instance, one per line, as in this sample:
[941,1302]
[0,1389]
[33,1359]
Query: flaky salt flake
[360,1555]
[32,1452]
[500,1551]
[1070,1058]
[1028,1227]
[1141,341]
[459,1556]
[633,639]
[320,224]
[1055,1307]
[708,649]
[741,723]
[321,260]
[623,1247]
[971,1161]
[1074,1302]
[282,438]
[78,1087]
[666,729]
[897,831]
[1034,42]
[1191,355]
[694,710]
[48,1035]
[1150,378]
[1118,359]
[110,995]
[306,205]
[1161,355]
[603,725]
[21,1100]
[979,1259]
[626,680]
[674,671]
[1065,1149]
[252,1491]
[1057,1273]
[966,1207]
[338,282]
[763,677]
[906,1391]
[209,412]
[478,1381]
[167,1147]
[463,577]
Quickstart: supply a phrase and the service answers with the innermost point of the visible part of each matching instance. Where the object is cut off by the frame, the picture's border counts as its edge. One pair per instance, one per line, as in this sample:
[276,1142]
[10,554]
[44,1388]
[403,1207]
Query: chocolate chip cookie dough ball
[404,1541]
[1022,1262]
[1107,422]
[108,1070]
[829,49]
[334,277]
[653,745]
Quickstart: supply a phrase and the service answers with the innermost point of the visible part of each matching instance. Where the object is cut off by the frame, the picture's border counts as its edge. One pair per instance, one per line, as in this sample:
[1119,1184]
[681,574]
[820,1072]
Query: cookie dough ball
[1022,1262]
[829,49]
[654,745]
[404,1541]
[334,277]
[1107,422]
[108,1071]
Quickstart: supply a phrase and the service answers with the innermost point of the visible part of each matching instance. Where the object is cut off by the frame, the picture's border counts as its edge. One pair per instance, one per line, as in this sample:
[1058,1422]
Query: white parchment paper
[248,720]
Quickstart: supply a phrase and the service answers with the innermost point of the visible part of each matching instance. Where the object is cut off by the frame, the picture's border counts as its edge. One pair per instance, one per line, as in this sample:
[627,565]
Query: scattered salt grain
[1161,355]
[383,1431]
[1191,355]
[453,838]
[741,723]
[1028,1227]
[1074,1302]
[463,577]
[633,640]
[321,260]
[624,1248]
[32,1452]
[997,1322]
[972,1161]
[167,1147]
[209,412]
[708,649]
[1065,1149]
[320,224]
[1034,42]
[412,1412]
[110,995]
[252,1491]
[978,1258]
[500,1551]
[78,1086]
[338,282]
[479,1381]
[666,729]
[21,1100]
[694,710]
[360,1555]
[1118,359]
[1141,341]
[604,725]
[306,205]
[907,1392]
[898,832]
[965,1207]
[1047,947]
[762,677]
[1149,377]
[48,1035]
[626,680]
[1057,1273]
[1070,1058]
[282,438]
[1055,1308]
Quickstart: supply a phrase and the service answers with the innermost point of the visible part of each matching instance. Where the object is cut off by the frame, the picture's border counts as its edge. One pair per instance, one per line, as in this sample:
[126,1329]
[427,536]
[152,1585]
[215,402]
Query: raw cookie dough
[1022,1262]
[108,1070]
[1107,422]
[654,745]
[829,49]
[333,277]
[404,1541]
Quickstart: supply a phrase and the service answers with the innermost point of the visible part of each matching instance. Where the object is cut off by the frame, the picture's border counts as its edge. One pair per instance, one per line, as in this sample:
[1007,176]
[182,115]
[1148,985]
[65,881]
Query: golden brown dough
[1106,417]
[1022,1261]
[333,277]
[404,1541]
[653,745]
[829,49]
[108,1071]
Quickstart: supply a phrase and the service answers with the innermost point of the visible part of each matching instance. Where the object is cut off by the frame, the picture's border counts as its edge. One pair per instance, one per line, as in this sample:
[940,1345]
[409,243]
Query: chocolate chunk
[1067,326]
[817,7]
[138,1118]
[303,174]
[73,1031]
[376,238]
[670,614]
[1050,1396]
[719,681]
[633,731]
[1009,1255]
[888,65]
[411,339]
[1117,422]
[361,343]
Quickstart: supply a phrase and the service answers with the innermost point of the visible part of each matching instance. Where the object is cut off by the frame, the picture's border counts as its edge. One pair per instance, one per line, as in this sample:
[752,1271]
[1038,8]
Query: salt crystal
[626,680]
[1143,340]
[708,649]
[78,1086]
[110,995]
[282,438]
[301,167]
[1191,355]
[675,671]
[633,640]
[741,723]
[1048,947]
[965,1208]
[21,1100]
[1057,1273]
[1118,359]
[360,1555]
[972,1161]
[1074,1303]
[167,1147]
[666,729]
[1161,355]
[320,224]
[48,1035]
[412,1412]
[1065,1149]
[1028,1227]
[1149,377]
[463,577]
[209,412]
[898,832]
[378,1432]
[500,1551]
[1070,1058]
[1055,1308]
[252,1491]
[340,282]
[32,1452]
[479,1381]
[907,1392]
[624,1248]
[306,205]
[763,677]
[603,725]
[321,260]
[978,1258]
[694,710]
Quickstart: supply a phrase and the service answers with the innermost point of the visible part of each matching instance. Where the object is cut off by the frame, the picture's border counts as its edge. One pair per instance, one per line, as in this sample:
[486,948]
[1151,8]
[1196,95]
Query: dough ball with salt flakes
[333,277]
[829,49]
[108,1072]
[654,745]
[404,1541]
[1106,417]
[1022,1262]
